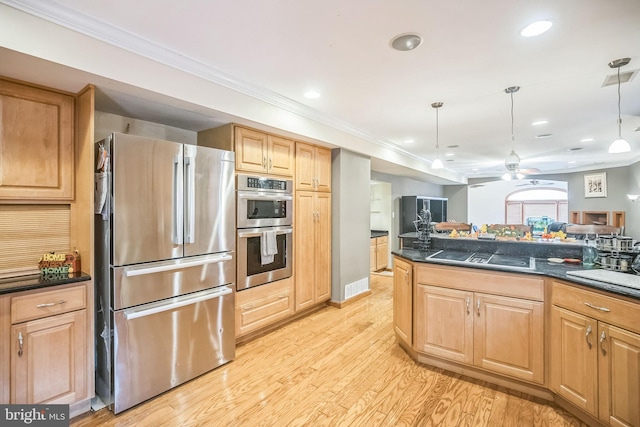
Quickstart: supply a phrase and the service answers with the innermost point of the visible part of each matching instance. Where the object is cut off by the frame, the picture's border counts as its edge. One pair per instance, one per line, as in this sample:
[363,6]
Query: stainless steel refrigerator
[165,264]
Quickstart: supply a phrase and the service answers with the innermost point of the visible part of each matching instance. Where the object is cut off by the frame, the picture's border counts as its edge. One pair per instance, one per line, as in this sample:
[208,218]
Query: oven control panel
[247,182]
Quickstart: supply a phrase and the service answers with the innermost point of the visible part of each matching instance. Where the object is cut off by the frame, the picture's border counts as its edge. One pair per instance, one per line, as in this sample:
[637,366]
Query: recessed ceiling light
[536,28]
[544,135]
[571,162]
[405,42]
[587,140]
[475,170]
[311,94]
[449,160]
[449,154]
[409,141]
[539,122]
[575,149]
[453,146]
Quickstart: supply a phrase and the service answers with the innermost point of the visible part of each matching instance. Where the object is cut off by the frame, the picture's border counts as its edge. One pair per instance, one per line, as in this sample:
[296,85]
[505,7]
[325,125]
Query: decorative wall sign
[595,185]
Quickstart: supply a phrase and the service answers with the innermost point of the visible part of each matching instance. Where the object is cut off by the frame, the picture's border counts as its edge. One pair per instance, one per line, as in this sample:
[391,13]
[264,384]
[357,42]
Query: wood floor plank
[334,367]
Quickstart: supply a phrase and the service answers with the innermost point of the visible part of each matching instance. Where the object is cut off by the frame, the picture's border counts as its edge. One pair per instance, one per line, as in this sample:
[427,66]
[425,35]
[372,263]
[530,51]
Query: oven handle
[265,196]
[258,234]
[134,314]
[178,266]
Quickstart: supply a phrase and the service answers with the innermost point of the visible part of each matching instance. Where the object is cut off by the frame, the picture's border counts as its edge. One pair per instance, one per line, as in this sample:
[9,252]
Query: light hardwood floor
[336,367]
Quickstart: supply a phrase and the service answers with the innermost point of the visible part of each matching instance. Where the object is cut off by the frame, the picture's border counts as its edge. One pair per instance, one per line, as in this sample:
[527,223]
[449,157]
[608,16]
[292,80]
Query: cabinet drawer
[601,307]
[263,305]
[382,239]
[486,281]
[41,304]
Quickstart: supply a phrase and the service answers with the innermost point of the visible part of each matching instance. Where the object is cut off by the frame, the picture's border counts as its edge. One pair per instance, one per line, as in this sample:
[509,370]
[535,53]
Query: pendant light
[620,145]
[512,163]
[437,163]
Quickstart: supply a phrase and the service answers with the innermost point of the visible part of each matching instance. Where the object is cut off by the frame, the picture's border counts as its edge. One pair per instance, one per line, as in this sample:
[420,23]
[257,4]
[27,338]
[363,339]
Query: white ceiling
[471,52]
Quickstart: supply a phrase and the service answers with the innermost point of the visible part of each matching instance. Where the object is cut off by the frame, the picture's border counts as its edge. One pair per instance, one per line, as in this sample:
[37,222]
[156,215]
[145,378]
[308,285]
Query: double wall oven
[264,205]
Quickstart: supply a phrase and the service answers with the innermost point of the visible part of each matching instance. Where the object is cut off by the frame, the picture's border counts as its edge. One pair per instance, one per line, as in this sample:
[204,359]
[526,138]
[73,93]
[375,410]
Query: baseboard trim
[342,304]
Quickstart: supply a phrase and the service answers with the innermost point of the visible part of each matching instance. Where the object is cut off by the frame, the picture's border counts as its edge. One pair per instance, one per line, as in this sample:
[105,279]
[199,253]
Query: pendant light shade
[437,163]
[512,162]
[620,145]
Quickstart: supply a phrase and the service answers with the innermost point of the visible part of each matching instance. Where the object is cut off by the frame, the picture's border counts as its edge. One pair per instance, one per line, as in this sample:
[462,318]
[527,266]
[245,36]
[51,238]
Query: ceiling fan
[535,182]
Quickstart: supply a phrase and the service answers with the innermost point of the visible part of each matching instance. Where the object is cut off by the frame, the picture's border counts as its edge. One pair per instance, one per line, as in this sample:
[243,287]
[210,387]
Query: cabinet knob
[589,330]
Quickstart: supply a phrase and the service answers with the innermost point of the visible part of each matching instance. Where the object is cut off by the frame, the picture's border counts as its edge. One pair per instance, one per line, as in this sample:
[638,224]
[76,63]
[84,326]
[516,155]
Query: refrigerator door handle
[178,208]
[139,271]
[137,313]
[190,211]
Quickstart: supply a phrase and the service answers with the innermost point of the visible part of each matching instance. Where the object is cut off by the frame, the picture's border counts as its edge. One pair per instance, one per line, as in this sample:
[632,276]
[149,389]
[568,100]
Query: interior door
[209,202]
[147,194]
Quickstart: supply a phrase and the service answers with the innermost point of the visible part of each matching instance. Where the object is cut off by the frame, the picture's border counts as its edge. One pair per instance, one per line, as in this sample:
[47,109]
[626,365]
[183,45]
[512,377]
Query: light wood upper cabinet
[251,150]
[256,151]
[262,153]
[36,143]
[313,168]
[402,299]
[312,248]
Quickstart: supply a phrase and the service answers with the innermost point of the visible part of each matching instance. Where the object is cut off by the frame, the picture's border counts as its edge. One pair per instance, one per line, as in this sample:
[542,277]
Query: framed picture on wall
[595,185]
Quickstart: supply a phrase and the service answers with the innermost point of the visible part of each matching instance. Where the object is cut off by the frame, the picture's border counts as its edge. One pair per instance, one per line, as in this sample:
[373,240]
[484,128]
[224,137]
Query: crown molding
[66,17]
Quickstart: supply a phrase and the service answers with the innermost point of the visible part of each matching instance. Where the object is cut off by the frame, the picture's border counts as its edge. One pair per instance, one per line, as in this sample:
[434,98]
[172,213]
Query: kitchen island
[537,329]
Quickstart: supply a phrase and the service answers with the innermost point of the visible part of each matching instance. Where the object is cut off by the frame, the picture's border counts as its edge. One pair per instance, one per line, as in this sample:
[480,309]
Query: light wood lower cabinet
[595,364]
[379,253]
[51,345]
[499,333]
[312,248]
[402,300]
[263,305]
[48,359]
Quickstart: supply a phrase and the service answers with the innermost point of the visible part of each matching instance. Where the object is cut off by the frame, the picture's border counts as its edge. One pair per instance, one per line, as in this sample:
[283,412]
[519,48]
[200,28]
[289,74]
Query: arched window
[536,203]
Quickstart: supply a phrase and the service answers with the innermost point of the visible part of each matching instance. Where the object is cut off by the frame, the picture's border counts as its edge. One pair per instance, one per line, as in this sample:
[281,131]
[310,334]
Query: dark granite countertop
[542,267]
[378,233]
[24,283]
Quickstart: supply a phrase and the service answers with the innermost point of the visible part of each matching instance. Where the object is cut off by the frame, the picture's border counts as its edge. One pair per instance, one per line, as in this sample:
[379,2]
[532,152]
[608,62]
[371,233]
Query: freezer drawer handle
[136,314]
[161,268]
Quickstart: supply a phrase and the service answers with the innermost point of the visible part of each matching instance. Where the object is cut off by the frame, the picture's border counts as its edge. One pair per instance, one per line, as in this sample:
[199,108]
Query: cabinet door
[251,150]
[382,253]
[619,374]
[304,249]
[48,360]
[36,143]
[444,323]
[323,169]
[403,300]
[574,358]
[322,258]
[509,336]
[305,169]
[280,156]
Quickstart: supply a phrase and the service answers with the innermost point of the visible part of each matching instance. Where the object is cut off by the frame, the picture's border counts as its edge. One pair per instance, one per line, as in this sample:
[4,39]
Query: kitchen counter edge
[25,283]
[543,268]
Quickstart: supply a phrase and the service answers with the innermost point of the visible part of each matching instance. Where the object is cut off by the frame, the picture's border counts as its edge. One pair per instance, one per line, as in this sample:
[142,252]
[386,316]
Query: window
[539,202]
